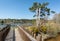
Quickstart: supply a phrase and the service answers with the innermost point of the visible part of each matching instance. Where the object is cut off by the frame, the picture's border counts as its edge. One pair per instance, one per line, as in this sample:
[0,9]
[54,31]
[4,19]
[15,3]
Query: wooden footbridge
[9,33]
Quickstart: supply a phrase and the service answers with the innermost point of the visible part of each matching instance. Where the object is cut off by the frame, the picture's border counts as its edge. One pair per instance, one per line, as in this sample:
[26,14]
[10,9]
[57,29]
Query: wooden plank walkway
[13,35]
[28,35]
[17,35]
[10,35]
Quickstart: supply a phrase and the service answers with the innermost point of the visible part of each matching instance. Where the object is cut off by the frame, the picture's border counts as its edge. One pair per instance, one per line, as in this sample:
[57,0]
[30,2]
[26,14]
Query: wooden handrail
[4,32]
[26,36]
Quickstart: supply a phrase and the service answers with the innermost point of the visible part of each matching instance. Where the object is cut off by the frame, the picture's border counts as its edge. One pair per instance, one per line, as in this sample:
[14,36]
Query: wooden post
[32,34]
[35,35]
[39,37]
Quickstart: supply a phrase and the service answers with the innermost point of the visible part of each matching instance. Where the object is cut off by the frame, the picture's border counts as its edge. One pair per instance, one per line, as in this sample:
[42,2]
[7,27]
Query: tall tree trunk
[38,17]
[38,22]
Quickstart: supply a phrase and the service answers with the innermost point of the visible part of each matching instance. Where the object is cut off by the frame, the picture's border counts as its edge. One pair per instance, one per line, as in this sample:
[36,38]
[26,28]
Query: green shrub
[43,29]
[32,29]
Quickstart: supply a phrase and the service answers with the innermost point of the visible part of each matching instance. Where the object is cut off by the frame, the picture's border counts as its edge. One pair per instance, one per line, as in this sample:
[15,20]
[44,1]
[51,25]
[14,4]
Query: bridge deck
[13,35]
[10,35]
[17,35]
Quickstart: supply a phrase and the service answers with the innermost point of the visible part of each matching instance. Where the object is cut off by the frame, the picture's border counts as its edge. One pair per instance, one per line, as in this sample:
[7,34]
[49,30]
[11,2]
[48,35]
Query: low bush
[43,29]
[32,29]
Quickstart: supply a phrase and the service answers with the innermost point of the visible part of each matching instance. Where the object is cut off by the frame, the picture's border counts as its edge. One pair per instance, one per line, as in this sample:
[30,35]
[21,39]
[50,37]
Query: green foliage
[43,29]
[36,30]
[32,29]
[53,11]
[42,6]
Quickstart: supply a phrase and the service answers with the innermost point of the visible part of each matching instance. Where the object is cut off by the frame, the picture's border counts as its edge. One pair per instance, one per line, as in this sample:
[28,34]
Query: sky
[19,9]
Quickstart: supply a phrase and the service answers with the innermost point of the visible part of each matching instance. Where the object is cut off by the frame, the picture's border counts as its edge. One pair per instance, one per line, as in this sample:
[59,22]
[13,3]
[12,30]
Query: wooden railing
[4,32]
[25,35]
